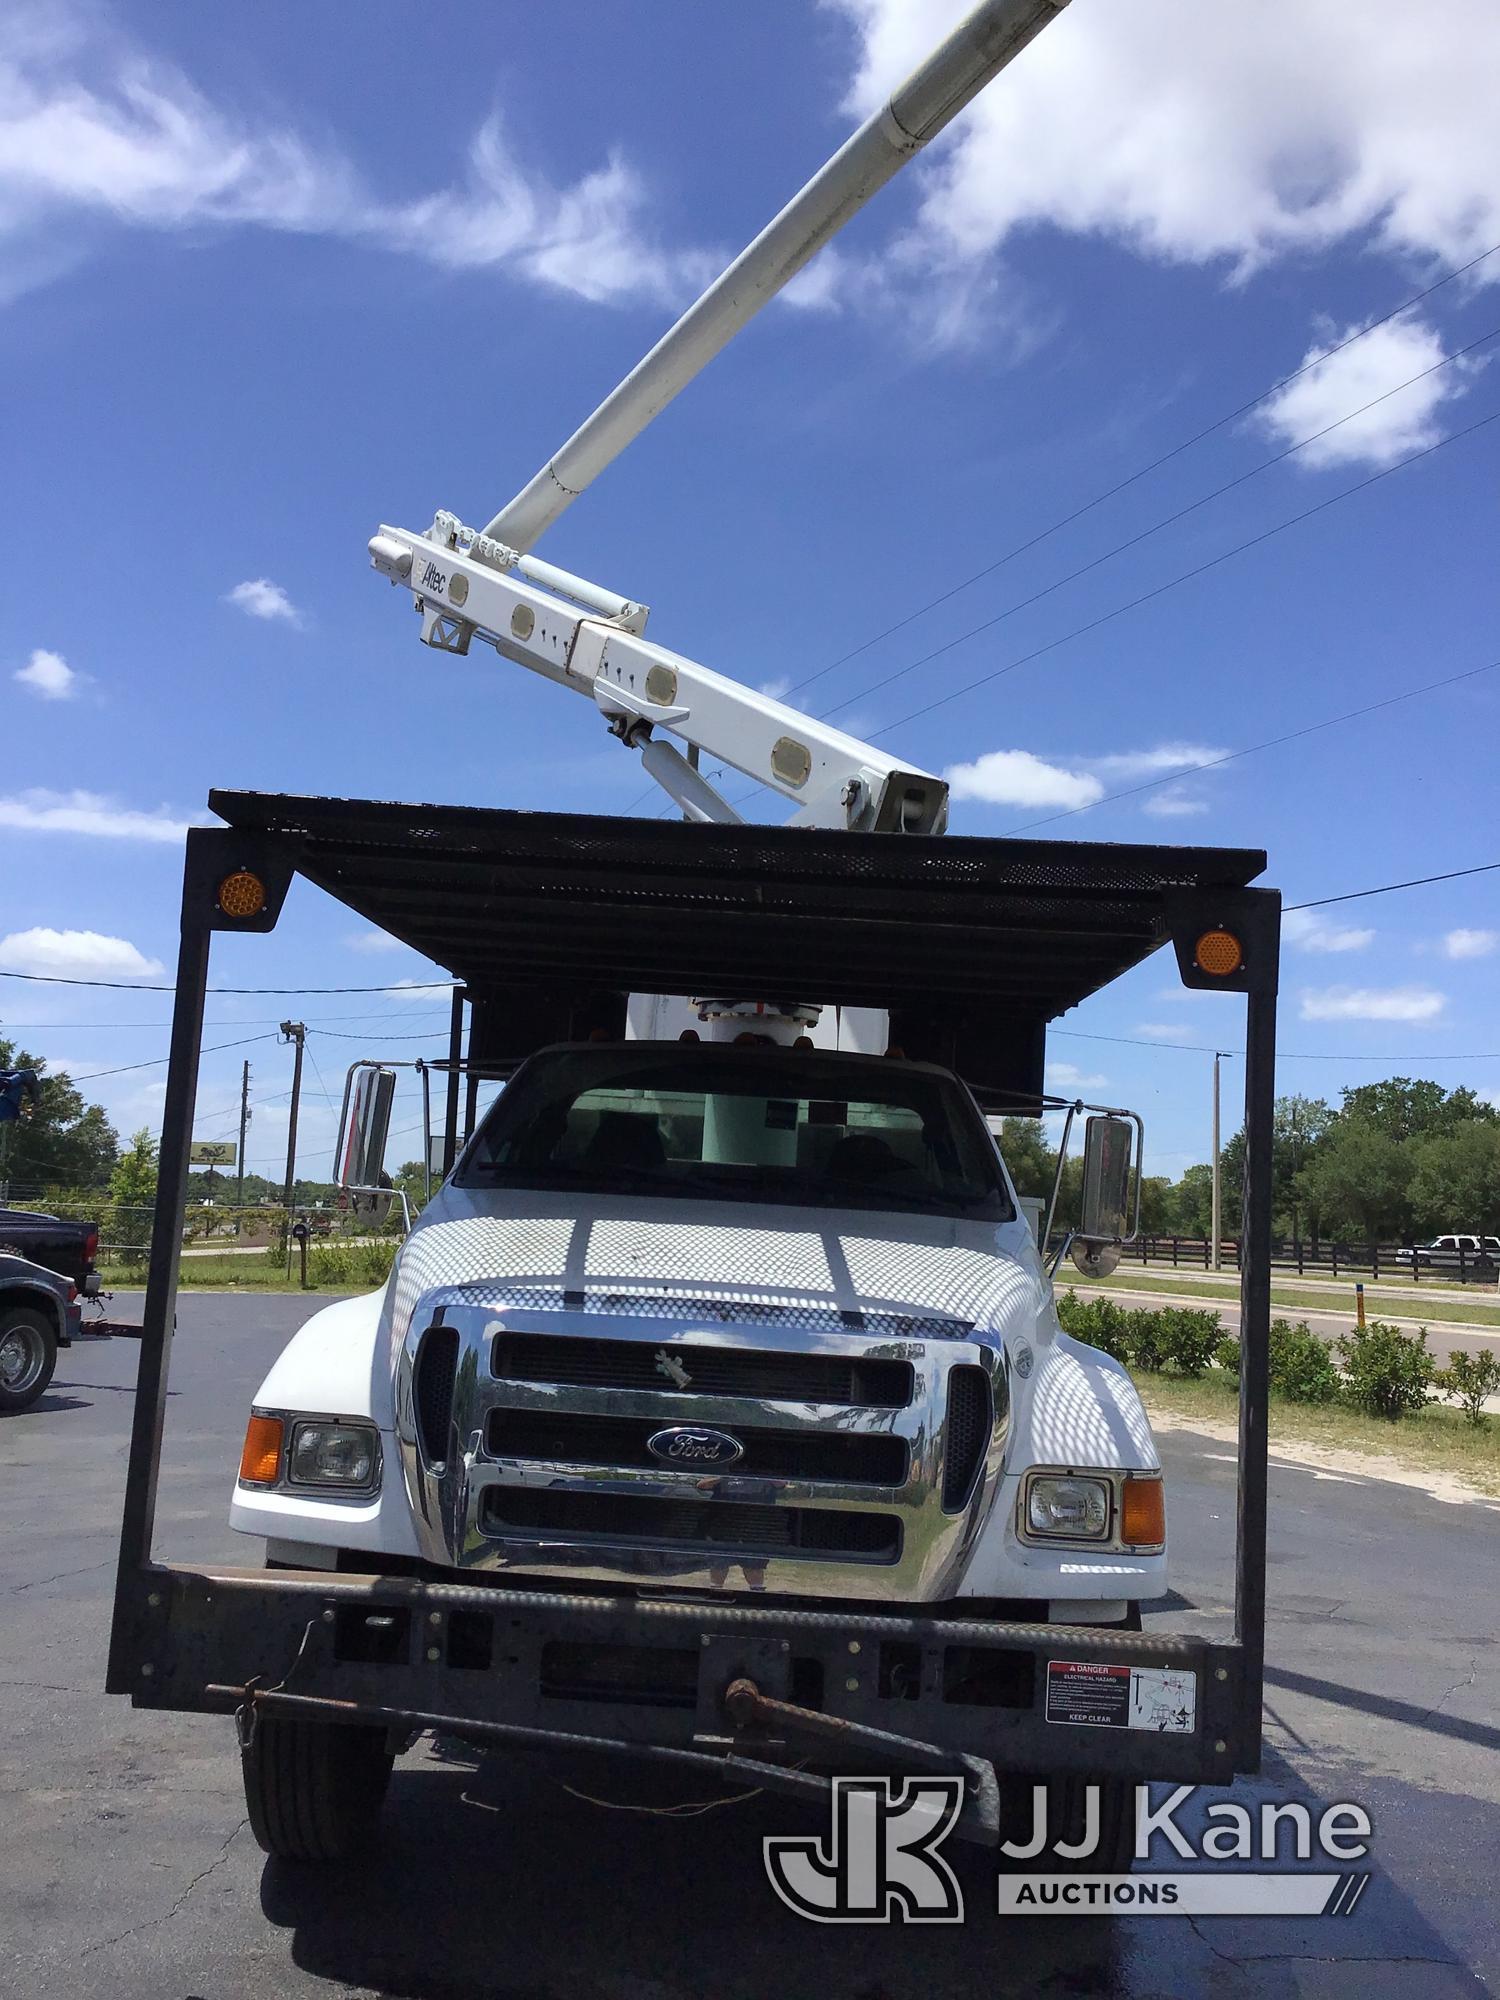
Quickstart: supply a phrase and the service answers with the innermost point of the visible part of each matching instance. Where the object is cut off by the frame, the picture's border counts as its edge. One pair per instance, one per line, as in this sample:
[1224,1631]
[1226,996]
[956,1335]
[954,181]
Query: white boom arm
[489,583]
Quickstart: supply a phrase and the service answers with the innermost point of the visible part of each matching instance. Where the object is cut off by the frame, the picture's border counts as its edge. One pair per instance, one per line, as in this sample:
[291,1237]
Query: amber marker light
[1143,1514]
[260,1461]
[1218,953]
[242,894]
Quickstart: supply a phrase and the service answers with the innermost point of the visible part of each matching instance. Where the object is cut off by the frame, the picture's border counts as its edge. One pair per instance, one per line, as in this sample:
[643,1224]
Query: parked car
[68,1248]
[1453,1253]
[39,1313]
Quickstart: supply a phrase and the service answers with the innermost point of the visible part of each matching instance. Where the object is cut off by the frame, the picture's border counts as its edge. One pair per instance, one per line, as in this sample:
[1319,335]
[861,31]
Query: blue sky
[271,276]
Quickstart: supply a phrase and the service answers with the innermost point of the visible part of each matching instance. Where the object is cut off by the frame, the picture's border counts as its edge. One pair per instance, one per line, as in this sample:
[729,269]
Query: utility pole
[296,1033]
[239,1184]
[1215,1203]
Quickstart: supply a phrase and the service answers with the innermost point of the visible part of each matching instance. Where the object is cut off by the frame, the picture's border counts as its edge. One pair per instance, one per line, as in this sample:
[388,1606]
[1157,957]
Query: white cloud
[95,134]
[1069,1076]
[1470,944]
[49,675]
[1162,1031]
[1310,932]
[90,813]
[75,955]
[778,687]
[373,941]
[260,598]
[1372,1003]
[1361,374]
[1194,133]
[1173,803]
[1210,134]
[1017,778]
[1155,762]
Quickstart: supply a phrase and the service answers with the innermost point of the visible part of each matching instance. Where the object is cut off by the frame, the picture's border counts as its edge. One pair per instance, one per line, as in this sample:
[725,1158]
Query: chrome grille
[866,1470]
[562,1437]
[730,1528]
[776,1375]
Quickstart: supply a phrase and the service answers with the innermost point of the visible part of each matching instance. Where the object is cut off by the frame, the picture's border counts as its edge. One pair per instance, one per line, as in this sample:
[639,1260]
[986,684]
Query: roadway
[129,1872]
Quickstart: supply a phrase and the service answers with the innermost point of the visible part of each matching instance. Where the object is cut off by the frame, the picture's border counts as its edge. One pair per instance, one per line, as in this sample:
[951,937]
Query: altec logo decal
[433,578]
[882,1863]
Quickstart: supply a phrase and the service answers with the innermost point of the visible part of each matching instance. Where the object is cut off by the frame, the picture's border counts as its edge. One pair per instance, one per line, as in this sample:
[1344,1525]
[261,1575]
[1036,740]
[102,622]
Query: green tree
[1032,1162]
[1455,1182]
[1192,1203]
[66,1142]
[132,1195]
[1358,1183]
[1404,1107]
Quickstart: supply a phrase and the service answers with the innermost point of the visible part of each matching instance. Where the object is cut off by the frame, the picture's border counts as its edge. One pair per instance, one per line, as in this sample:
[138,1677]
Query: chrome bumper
[867,1474]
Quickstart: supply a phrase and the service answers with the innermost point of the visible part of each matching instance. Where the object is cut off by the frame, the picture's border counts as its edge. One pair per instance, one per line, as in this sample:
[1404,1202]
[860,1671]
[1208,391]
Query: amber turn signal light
[242,894]
[260,1461]
[1218,953]
[1143,1514]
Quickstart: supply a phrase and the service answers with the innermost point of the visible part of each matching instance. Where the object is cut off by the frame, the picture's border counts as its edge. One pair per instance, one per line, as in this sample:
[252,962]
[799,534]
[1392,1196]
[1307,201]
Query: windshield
[740,1124]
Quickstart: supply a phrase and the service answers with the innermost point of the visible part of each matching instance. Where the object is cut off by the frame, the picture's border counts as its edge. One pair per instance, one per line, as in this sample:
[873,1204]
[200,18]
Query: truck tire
[313,1790]
[28,1355]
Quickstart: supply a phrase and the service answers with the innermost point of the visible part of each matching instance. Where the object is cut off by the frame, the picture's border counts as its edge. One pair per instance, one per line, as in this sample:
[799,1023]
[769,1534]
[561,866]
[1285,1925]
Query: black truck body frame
[546,922]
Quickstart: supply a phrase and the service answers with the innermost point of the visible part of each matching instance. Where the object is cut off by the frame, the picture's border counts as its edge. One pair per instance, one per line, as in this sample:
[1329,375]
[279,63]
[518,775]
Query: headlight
[1075,1510]
[327,1454]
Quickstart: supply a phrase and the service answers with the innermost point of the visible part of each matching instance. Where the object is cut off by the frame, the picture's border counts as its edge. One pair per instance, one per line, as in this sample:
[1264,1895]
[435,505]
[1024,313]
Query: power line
[1067,520]
[1167,521]
[1253,749]
[1282,1055]
[1417,882]
[1172,583]
[156,1061]
[284,992]
[1121,486]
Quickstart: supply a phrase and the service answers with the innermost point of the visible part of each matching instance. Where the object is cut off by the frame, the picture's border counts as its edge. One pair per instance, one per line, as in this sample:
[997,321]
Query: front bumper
[629,1673]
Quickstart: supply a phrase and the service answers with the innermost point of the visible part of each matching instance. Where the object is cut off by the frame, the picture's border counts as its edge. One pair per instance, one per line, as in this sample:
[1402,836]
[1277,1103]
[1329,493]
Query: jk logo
[881,1863]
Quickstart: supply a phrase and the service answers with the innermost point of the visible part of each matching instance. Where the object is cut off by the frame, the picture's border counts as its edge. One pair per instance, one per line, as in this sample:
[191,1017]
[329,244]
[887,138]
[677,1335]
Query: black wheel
[28,1355]
[314,1790]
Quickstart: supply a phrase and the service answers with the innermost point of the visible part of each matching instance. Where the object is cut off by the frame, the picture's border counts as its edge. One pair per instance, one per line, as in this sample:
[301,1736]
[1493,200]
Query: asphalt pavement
[129,1871]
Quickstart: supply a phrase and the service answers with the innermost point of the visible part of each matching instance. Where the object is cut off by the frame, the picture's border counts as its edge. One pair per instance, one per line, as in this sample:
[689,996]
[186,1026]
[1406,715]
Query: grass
[330,1268]
[1300,1298]
[1437,1439]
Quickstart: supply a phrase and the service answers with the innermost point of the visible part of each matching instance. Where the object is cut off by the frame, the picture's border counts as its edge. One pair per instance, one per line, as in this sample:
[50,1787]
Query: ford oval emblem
[686,1444]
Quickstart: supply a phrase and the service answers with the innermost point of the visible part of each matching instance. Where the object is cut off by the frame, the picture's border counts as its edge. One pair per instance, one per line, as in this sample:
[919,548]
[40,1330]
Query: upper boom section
[952,75]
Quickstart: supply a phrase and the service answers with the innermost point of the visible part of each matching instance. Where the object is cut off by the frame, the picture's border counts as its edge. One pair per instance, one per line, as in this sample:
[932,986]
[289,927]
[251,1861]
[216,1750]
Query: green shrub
[1227,1354]
[1386,1372]
[1470,1378]
[360,1266]
[1302,1368]
[1099,1322]
[1186,1338]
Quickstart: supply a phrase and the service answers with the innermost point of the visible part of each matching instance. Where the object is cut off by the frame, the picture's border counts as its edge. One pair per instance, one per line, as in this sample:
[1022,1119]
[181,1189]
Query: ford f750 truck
[716,1411]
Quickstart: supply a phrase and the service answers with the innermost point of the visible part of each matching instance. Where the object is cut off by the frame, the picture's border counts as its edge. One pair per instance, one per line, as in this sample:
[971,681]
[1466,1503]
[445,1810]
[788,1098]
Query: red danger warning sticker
[1164,1699]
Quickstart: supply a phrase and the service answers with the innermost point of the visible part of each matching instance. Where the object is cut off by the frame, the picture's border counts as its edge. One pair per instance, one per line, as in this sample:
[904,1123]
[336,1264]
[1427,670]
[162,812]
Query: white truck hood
[930,1267]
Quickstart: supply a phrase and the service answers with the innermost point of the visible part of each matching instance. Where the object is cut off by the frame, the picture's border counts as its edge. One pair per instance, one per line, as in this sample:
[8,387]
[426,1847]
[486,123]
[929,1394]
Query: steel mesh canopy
[507,899]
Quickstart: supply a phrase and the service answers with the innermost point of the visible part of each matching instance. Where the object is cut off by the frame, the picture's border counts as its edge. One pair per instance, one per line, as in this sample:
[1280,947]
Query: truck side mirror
[368,1097]
[1106,1180]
